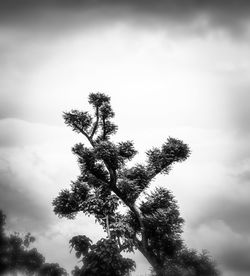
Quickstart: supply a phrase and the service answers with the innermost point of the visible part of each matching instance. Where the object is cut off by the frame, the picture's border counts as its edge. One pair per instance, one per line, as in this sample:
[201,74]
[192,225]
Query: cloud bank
[200,16]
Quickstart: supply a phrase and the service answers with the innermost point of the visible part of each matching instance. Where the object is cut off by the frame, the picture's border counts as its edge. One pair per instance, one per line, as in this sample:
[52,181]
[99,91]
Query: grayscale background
[172,68]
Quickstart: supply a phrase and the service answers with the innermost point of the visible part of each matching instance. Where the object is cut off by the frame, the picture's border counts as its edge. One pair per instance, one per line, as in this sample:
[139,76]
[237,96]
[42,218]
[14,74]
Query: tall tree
[154,225]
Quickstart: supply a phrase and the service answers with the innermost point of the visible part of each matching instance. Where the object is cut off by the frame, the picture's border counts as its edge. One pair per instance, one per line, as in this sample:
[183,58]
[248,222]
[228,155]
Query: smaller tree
[189,263]
[17,256]
[51,269]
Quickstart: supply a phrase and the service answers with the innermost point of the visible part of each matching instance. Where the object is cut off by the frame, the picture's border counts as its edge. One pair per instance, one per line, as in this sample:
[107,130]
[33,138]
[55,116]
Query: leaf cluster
[103,258]
[189,262]
[97,201]
[82,122]
[163,223]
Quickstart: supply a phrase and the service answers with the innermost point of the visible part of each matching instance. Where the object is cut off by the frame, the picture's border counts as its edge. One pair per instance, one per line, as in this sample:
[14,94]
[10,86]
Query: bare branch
[104,128]
[107,225]
[84,133]
[96,123]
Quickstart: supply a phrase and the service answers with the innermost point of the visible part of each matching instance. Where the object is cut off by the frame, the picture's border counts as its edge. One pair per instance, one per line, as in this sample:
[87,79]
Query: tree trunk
[107,226]
[154,262]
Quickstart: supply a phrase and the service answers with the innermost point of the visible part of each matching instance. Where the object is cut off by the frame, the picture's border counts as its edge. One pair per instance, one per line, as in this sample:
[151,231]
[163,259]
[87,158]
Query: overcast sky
[172,68]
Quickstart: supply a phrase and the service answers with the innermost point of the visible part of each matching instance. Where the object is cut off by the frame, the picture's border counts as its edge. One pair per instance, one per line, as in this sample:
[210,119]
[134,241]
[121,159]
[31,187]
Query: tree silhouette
[51,269]
[153,226]
[16,255]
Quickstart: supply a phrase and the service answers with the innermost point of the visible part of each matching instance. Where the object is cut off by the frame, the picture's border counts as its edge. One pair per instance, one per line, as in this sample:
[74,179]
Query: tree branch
[137,212]
[84,133]
[96,123]
[104,128]
[150,256]
[119,243]
[113,180]
[107,225]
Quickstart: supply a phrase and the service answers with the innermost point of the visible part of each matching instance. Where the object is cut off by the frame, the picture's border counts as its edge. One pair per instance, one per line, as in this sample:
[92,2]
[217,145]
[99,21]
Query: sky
[172,68]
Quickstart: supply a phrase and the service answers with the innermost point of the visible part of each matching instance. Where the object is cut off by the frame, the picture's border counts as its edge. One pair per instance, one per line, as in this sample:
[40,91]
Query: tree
[154,225]
[17,256]
[51,269]
[103,258]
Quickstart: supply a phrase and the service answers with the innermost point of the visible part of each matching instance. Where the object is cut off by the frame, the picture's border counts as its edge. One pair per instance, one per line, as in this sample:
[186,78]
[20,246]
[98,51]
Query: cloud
[201,16]
[25,212]
[229,201]
[233,212]
[222,222]
[237,256]
[34,166]
[238,107]
[20,133]
[26,209]
[230,249]
[244,177]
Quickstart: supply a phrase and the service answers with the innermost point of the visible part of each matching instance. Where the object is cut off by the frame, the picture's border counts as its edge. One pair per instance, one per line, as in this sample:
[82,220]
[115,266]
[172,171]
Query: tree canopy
[152,225]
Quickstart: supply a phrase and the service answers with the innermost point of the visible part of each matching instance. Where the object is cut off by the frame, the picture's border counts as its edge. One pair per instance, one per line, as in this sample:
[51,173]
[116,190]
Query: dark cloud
[27,209]
[231,205]
[235,213]
[231,15]
[24,211]
[239,109]
[244,177]
[237,258]
[226,234]
[143,5]
[225,220]
[233,253]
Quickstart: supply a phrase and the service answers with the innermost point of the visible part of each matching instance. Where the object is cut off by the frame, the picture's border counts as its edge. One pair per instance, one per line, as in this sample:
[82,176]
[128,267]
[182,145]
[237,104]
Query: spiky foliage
[154,226]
